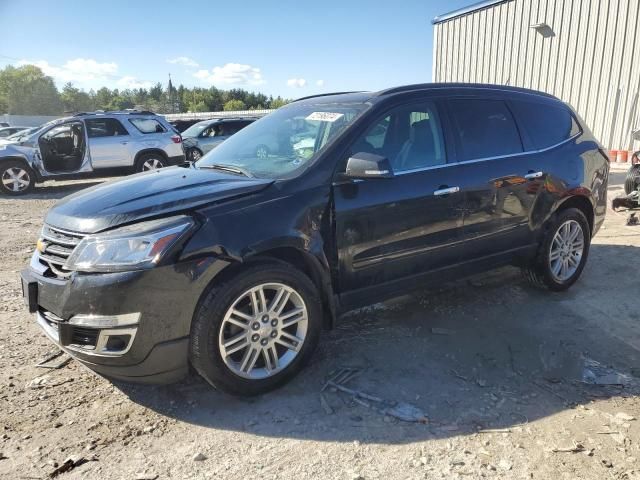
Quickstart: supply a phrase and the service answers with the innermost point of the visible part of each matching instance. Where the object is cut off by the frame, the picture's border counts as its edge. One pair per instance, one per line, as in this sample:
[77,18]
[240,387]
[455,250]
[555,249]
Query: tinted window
[147,125]
[483,128]
[546,125]
[410,136]
[105,127]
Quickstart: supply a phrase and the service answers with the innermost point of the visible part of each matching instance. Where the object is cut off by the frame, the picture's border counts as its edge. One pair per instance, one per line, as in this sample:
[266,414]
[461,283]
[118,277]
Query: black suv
[236,263]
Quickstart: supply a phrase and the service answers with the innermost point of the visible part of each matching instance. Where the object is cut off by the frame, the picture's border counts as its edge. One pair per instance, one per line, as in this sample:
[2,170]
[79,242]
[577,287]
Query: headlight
[134,247]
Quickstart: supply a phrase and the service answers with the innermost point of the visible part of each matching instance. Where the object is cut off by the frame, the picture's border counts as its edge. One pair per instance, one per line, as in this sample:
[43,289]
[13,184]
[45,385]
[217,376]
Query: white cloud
[296,82]
[320,83]
[184,61]
[231,74]
[78,70]
[129,82]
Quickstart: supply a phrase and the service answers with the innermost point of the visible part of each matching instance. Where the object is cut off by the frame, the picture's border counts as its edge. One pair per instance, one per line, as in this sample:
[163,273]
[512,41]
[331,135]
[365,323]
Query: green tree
[234,105]
[27,91]
[76,100]
[278,102]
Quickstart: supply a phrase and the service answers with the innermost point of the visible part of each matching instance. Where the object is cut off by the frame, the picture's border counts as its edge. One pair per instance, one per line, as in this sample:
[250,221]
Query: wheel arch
[304,261]
[146,151]
[582,203]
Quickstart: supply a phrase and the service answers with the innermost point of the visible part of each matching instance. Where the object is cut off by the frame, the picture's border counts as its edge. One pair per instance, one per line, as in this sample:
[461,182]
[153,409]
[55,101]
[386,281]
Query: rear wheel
[16,178]
[254,332]
[633,179]
[563,253]
[150,161]
[194,154]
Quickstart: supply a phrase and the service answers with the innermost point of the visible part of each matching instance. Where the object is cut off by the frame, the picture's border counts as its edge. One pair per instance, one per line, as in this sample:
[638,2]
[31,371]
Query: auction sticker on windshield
[325,116]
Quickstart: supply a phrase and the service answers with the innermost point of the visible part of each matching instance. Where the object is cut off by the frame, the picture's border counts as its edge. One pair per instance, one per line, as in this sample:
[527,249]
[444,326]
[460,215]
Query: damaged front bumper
[132,326]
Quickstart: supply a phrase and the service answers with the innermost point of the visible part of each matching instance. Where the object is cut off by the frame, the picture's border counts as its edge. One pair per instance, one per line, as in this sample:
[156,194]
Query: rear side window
[105,127]
[147,125]
[483,128]
[546,125]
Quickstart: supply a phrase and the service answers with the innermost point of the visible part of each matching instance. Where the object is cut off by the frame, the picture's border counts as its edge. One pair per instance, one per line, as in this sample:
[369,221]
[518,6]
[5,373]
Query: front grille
[58,246]
[85,337]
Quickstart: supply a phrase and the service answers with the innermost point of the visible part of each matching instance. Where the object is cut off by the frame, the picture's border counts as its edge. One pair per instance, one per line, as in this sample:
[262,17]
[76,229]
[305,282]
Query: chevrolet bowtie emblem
[41,246]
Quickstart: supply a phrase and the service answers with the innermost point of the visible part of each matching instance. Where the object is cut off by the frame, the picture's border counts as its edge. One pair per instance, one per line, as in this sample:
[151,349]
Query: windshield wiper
[228,168]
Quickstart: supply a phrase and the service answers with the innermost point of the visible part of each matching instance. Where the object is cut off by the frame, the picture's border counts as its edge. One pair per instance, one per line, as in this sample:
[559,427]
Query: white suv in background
[88,143]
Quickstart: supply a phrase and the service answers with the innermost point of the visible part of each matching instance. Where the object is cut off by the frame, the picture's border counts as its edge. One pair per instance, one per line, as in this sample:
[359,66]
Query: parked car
[88,143]
[236,263]
[204,136]
[7,131]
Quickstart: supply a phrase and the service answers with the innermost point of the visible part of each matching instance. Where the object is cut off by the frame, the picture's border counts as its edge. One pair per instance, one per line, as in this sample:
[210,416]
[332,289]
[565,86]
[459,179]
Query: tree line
[26,90]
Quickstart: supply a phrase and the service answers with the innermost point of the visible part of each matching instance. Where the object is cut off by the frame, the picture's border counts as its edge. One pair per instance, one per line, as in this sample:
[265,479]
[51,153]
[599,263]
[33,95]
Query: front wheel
[16,178]
[563,253]
[255,331]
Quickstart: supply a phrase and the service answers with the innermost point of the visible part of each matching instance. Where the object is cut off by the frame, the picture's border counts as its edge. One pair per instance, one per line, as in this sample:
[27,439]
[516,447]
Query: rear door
[493,176]
[392,229]
[109,143]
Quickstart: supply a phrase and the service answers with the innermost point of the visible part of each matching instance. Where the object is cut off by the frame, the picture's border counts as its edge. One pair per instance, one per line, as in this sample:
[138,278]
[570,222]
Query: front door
[109,143]
[392,229]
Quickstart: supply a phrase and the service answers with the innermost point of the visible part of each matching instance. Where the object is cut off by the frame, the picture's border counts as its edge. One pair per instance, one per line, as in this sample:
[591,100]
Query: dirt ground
[515,383]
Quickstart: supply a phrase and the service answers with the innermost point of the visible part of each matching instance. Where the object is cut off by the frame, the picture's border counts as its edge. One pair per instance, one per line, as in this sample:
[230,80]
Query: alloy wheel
[195,155]
[16,179]
[263,331]
[152,164]
[566,251]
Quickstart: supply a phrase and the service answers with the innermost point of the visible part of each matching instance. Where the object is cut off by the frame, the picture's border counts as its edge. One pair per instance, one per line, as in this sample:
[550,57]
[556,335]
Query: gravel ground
[513,382]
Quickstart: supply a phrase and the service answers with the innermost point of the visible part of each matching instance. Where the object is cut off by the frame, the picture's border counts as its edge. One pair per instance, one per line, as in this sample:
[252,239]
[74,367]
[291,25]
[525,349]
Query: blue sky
[288,48]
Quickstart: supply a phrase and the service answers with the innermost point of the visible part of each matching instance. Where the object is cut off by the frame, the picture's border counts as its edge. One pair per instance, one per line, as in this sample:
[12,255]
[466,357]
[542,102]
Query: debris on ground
[400,410]
[45,362]
[199,457]
[68,465]
[577,448]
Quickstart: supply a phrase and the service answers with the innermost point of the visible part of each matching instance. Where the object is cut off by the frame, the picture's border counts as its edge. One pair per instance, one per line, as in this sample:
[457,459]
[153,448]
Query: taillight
[176,139]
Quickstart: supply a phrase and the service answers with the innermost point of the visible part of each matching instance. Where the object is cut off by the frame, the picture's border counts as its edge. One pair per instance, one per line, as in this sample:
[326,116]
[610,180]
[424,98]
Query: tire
[633,179]
[540,272]
[212,326]
[262,151]
[16,178]
[150,161]
[194,154]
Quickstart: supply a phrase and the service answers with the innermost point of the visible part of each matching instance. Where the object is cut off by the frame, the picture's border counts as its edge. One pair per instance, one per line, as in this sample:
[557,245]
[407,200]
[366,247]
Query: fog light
[105,321]
[117,343]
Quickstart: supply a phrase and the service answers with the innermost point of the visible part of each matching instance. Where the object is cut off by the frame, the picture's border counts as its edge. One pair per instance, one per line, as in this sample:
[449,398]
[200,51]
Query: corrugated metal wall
[592,61]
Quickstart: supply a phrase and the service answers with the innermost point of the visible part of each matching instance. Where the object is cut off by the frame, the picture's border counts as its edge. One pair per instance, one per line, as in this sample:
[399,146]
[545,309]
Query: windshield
[284,142]
[195,130]
[22,134]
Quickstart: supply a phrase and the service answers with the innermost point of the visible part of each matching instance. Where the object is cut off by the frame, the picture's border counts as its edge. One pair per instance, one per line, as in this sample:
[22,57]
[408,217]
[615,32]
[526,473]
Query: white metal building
[586,52]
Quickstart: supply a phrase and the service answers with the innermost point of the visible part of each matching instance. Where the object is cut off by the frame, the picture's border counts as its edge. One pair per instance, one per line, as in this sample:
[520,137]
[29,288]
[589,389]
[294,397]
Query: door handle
[532,175]
[124,143]
[446,191]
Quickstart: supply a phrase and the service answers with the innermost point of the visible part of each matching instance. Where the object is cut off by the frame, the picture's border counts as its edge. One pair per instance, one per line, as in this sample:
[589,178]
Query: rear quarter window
[483,128]
[147,125]
[546,125]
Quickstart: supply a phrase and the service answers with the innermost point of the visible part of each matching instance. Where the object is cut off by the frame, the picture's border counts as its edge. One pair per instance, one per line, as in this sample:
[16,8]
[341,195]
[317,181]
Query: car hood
[148,194]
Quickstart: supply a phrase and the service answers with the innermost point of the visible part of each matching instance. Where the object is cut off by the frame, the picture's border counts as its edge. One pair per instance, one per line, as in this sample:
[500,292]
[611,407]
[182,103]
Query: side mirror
[368,165]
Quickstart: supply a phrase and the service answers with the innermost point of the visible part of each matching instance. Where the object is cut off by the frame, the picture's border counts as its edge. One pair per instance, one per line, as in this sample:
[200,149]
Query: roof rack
[429,86]
[326,95]
[112,112]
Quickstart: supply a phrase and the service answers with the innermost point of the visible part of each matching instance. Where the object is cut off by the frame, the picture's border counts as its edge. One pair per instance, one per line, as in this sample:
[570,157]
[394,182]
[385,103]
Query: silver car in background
[85,144]
[202,137]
